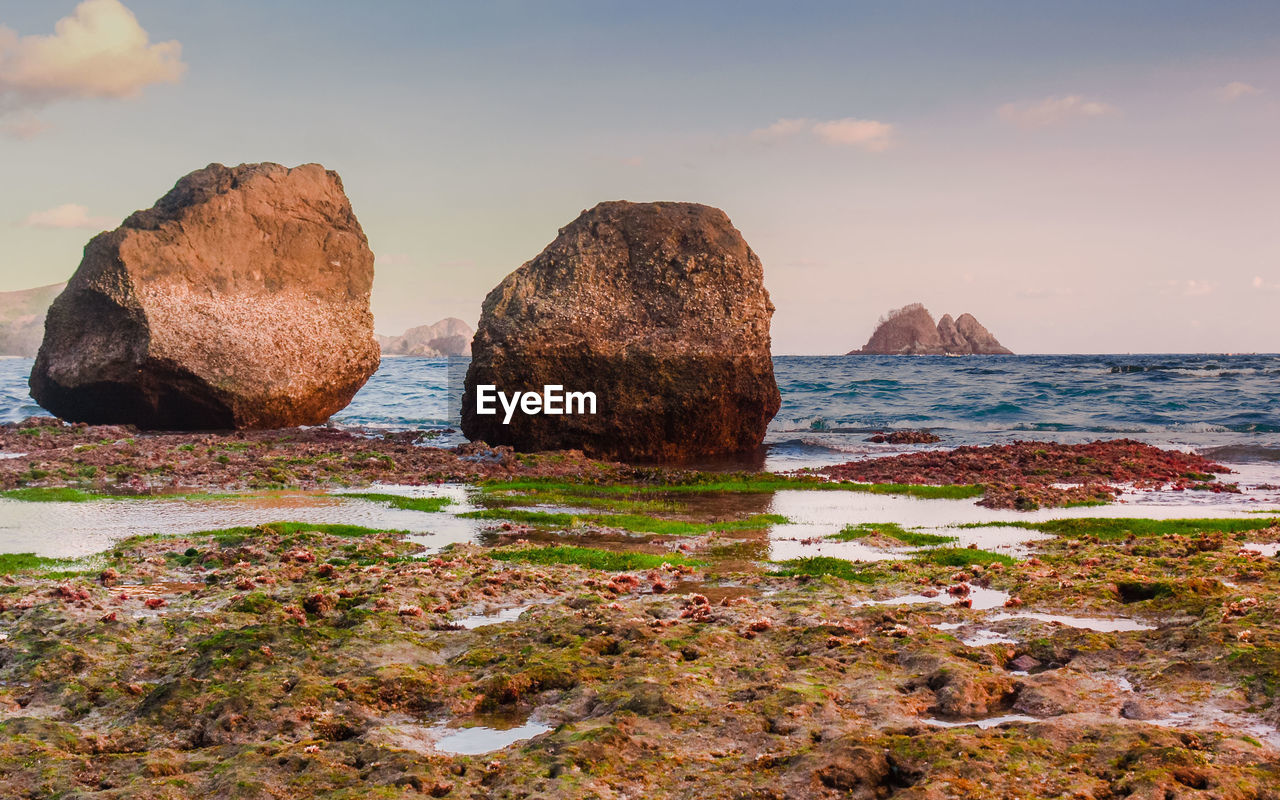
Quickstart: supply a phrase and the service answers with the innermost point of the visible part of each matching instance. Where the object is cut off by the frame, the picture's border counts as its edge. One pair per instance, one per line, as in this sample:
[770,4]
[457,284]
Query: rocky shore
[1027,475]
[326,661]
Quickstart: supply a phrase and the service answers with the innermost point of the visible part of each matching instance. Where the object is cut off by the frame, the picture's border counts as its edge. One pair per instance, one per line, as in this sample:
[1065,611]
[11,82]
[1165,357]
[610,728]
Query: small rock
[1025,663]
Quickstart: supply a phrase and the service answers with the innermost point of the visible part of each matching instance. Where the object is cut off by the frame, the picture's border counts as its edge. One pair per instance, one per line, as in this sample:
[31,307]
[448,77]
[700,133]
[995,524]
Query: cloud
[28,127]
[1188,288]
[782,129]
[393,260]
[1045,291]
[69,216]
[866,134]
[100,51]
[1261,285]
[1235,90]
[1053,111]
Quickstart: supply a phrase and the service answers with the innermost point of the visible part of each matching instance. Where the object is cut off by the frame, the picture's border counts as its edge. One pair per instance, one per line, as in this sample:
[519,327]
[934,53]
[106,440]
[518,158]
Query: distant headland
[911,331]
[22,319]
[448,337]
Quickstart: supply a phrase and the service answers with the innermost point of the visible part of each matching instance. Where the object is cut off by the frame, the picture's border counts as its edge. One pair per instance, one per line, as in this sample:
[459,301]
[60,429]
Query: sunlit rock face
[240,300]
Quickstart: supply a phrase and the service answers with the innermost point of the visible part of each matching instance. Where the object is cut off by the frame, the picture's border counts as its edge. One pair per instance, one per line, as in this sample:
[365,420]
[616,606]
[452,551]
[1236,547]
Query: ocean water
[1225,405]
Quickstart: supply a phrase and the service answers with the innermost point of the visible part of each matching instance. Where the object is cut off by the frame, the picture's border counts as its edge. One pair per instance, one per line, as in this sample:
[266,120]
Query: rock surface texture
[22,319]
[910,330]
[240,300]
[658,308]
[448,337]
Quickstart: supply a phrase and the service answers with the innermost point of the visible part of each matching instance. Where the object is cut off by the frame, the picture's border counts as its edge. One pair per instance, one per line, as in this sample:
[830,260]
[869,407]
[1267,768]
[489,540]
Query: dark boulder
[660,310]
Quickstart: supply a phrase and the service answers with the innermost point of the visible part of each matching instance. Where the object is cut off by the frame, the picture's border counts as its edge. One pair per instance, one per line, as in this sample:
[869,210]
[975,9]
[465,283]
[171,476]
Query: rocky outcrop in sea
[240,300]
[910,330]
[448,337]
[660,310]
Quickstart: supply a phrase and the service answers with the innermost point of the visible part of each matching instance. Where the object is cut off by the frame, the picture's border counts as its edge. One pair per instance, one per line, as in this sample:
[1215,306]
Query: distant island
[22,319]
[448,337]
[911,331]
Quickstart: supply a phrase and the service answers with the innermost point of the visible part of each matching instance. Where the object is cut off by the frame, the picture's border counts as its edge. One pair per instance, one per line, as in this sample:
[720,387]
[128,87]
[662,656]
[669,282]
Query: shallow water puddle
[1099,624]
[72,530]
[715,592]
[1269,550]
[989,722]
[156,589]
[979,638]
[985,636]
[494,618]
[815,515]
[1221,721]
[981,599]
[480,739]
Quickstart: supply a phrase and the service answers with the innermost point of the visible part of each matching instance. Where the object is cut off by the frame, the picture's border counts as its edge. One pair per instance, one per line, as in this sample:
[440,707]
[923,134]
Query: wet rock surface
[660,310]
[120,459]
[240,300]
[288,660]
[1030,474]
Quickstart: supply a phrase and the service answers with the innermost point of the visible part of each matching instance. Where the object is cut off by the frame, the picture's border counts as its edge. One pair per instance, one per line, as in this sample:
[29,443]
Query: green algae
[962,557]
[636,523]
[429,504]
[553,496]
[67,494]
[242,533]
[11,563]
[852,533]
[711,483]
[41,494]
[1111,529]
[822,566]
[592,558]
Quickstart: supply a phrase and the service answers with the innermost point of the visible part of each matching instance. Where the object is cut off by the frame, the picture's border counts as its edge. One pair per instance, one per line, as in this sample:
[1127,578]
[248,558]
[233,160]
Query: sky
[1082,177]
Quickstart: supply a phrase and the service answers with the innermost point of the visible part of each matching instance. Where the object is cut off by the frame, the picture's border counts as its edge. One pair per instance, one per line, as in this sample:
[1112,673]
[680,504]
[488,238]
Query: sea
[1225,406]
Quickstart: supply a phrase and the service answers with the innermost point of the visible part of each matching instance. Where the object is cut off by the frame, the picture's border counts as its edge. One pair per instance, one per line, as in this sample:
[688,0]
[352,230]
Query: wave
[1242,452]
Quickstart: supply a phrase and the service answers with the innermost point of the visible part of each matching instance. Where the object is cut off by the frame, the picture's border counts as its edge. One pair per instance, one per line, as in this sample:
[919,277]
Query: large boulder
[240,300]
[660,310]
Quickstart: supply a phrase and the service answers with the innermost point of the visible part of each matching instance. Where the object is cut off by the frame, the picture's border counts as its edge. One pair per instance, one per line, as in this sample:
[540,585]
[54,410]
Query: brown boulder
[240,300]
[970,693]
[848,766]
[660,310]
